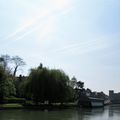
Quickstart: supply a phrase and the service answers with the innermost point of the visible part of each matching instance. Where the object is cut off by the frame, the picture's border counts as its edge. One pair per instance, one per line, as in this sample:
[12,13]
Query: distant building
[86,101]
[100,95]
[114,97]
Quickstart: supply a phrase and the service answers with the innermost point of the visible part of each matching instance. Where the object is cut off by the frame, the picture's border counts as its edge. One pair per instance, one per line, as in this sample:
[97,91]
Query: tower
[111,93]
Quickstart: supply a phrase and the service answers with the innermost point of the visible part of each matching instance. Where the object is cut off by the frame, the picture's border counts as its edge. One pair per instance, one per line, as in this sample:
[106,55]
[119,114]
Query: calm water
[106,113]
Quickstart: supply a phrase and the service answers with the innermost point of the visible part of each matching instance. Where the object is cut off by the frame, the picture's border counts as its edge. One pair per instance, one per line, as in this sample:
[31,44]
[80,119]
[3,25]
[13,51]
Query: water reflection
[107,113]
[114,110]
[90,114]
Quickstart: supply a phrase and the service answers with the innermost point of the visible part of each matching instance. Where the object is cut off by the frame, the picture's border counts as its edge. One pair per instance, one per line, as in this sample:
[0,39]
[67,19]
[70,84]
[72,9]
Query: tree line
[42,85]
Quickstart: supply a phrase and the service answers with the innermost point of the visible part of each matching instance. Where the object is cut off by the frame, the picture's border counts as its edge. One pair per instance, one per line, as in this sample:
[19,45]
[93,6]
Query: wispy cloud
[87,46]
[37,18]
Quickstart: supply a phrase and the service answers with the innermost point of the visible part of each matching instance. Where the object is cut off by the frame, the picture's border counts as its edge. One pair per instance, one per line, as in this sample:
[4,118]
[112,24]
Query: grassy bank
[11,106]
[40,107]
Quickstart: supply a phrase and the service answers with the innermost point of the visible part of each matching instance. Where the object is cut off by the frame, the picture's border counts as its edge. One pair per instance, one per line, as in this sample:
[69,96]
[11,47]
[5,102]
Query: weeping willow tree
[48,85]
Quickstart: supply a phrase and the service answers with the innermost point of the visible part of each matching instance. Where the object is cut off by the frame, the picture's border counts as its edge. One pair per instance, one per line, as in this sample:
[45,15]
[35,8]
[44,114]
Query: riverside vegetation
[42,88]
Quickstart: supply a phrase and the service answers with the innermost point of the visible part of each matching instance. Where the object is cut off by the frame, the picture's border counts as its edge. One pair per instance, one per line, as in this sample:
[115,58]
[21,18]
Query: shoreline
[36,107]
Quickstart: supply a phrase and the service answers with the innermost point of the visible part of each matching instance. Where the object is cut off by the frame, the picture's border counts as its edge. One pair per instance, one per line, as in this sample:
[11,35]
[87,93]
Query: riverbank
[37,107]
[11,106]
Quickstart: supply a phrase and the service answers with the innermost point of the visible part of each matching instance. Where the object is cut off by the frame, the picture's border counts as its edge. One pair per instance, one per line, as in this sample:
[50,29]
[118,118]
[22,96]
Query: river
[107,113]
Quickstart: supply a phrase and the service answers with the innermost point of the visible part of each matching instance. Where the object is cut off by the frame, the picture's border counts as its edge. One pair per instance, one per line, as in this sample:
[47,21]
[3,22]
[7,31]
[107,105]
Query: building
[114,97]
[85,101]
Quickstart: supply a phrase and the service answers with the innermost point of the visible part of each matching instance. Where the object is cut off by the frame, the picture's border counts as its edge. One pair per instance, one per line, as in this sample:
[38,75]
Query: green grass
[31,105]
[11,105]
[14,100]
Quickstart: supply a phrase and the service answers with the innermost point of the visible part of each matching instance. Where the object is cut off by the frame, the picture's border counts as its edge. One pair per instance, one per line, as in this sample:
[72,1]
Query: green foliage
[42,85]
[11,105]
[18,62]
[59,85]
[23,89]
[11,63]
[48,85]
[10,87]
[14,100]
[5,60]
[80,85]
[2,78]
[7,87]
[7,78]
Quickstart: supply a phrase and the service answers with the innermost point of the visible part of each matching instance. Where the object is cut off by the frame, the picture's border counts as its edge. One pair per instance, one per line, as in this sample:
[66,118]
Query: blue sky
[79,36]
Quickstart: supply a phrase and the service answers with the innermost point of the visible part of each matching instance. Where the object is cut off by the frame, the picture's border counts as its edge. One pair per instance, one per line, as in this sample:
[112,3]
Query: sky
[81,37]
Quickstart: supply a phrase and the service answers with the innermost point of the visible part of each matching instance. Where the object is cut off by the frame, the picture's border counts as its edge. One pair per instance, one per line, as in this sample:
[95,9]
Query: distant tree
[21,87]
[1,61]
[73,82]
[79,90]
[7,87]
[40,66]
[88,92]
[80,85]
[5,60]
[18,62]
[7,81]
[2,78]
